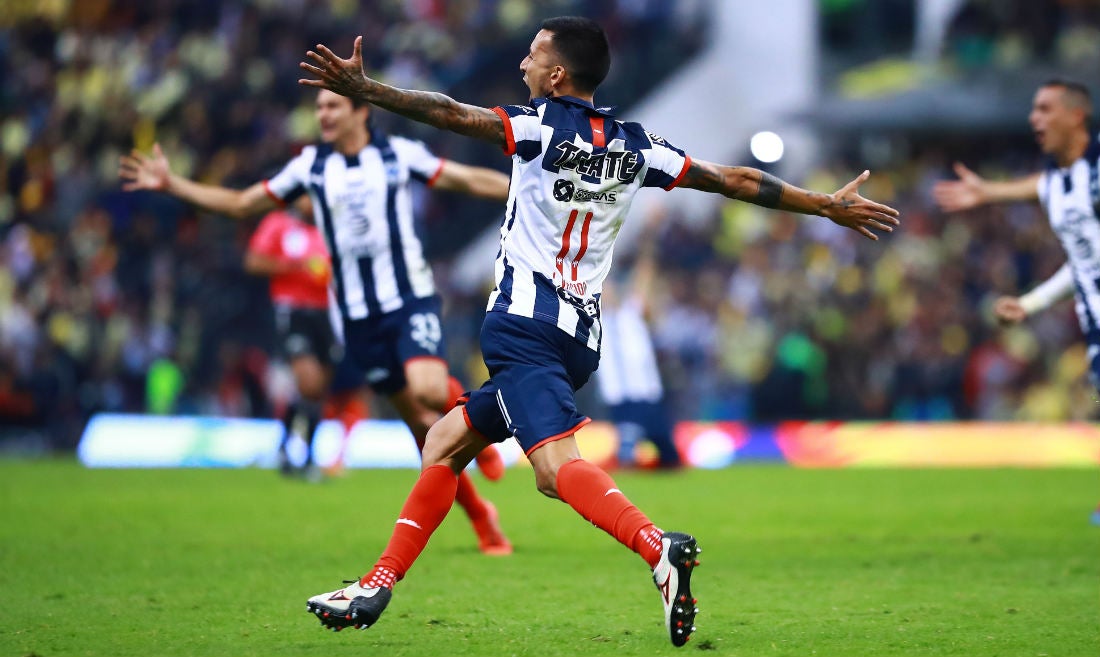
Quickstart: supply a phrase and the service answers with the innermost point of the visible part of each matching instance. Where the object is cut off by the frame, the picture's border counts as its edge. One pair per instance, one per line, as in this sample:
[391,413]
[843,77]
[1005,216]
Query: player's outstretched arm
[481,182]
[971,190]
[845,207]
[1013,310]
[347,78]
[139,171]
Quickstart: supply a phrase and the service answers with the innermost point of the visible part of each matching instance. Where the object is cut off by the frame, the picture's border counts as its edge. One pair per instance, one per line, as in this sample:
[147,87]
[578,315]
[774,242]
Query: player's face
[337,117]
[540,67]
[1052,121]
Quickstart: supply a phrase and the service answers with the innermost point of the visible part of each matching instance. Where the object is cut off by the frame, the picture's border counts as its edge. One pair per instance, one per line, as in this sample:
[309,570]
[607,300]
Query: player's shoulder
[641,135]
[521,111]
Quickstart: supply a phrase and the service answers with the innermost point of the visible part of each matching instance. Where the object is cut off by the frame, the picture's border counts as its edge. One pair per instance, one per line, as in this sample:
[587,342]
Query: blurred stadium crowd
[133,302]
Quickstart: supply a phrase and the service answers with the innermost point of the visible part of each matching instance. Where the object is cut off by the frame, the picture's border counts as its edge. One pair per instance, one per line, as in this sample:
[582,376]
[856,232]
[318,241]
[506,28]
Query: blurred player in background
[358,181]
[1069,190]
[575,170]
[292,254]
[628,379]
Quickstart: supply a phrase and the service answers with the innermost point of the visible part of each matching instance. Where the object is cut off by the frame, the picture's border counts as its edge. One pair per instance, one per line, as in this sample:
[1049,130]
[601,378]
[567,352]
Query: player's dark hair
[582,45]
[1075,94]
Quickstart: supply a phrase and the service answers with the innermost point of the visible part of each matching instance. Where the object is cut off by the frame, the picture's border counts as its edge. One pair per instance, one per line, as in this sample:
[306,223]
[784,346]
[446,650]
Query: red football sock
[467,498]
[425,508]
[455,390]
[593,494]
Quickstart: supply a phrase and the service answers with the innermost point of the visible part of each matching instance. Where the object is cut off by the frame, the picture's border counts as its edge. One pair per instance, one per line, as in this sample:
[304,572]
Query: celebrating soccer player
[575,170]
[358,181]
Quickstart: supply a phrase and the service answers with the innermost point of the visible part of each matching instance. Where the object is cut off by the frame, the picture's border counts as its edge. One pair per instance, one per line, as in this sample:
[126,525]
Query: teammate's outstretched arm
[481,182]
[347,78]
[139,171]
[971,190]
[845,207]
[1013,310]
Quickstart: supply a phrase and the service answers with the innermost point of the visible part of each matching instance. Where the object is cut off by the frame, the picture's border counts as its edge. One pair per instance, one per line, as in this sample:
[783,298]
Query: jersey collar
[608,112]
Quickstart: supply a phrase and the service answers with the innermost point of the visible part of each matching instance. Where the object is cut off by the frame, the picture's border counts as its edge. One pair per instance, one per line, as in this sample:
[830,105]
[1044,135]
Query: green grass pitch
[795,562]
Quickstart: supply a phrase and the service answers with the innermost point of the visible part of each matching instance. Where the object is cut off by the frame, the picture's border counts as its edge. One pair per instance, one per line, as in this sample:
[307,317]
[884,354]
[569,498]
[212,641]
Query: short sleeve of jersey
[522,130]
[1043,187]
[265,240]
[667,164]
[423,164]
[293,180]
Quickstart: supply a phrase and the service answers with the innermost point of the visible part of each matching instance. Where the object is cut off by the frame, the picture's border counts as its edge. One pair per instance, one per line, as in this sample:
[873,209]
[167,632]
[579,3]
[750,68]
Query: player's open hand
[139,171]
[862,215]
[342,76]
[963,194]
[1008,310]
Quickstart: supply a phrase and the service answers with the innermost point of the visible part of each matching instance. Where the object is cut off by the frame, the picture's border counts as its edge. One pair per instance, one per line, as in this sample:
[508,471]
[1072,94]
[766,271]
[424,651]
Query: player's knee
[547,483]
[442,441]
[433,397]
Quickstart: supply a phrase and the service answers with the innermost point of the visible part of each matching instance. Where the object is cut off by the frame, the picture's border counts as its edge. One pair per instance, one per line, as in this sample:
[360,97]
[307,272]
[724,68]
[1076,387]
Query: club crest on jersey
[620,165]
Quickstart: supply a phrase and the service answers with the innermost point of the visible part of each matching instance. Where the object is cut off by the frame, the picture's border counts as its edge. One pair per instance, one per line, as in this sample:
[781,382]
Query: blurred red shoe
[490,538]
[490,463]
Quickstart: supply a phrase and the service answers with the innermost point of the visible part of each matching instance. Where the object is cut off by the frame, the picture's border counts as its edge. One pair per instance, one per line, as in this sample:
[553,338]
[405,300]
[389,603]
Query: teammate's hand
[851,210]
[138,171]
[1009,311]
[343,76]
[963,194]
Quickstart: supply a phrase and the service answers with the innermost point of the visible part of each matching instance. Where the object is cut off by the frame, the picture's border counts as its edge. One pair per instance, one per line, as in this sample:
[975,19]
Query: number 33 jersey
[575,171]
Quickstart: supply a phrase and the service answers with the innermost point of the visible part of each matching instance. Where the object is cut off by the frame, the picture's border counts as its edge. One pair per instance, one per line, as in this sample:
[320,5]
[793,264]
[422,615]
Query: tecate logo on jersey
[621,165]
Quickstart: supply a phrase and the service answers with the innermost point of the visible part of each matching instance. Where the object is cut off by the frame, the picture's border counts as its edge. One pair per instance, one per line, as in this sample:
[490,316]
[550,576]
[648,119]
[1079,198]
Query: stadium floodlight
[766,146]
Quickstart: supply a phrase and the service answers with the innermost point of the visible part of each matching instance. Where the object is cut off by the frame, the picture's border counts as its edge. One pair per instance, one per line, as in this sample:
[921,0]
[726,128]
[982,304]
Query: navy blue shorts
[346,376]
[535,369]
[381,345]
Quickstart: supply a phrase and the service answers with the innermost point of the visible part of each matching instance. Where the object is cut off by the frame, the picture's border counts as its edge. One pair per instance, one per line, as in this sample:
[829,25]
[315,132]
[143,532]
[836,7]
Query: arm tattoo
[438,110]
[770,191]
[703,176]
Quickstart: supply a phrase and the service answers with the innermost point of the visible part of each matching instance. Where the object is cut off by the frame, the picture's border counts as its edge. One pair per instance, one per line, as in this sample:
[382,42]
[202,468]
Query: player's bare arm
[347,78]
[152,172]
[474,181]
[845,207]
[971,190]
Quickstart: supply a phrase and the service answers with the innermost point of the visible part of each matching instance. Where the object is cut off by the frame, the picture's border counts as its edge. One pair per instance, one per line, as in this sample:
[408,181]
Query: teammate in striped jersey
[1069,190]
[575,169]
[358,181]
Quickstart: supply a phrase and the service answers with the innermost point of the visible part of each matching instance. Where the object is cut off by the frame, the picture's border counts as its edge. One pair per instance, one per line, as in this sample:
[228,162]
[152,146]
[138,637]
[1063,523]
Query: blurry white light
[766,146]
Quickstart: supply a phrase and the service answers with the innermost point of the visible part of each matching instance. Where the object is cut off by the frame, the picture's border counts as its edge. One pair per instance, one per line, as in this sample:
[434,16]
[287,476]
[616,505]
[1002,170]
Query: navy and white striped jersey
[1071,197]
[575,170]
[628,362]
[363,207]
